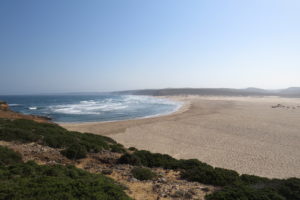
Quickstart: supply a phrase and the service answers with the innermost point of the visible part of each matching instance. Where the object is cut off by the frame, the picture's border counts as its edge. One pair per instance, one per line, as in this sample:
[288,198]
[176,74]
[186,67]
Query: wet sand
[241,133]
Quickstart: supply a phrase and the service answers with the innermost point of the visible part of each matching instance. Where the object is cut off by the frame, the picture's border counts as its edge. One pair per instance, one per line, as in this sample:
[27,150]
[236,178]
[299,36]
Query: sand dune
[241,133]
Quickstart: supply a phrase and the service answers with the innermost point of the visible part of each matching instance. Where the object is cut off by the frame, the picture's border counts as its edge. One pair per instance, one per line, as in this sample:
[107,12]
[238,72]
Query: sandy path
[240,133]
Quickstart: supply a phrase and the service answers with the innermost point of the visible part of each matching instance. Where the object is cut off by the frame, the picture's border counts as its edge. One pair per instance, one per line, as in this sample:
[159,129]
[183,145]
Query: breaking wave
[82,108]
[90,107]
[96,107]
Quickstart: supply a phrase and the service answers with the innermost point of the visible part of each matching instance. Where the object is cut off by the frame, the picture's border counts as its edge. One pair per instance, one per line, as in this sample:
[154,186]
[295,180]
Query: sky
[54,46]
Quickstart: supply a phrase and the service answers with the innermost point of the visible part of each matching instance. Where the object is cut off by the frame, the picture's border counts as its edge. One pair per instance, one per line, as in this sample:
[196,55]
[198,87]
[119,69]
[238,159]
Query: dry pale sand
[241,133]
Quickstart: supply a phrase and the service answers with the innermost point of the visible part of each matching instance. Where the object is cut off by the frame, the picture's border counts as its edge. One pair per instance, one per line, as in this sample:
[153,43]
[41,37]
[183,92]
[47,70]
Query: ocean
[91,108]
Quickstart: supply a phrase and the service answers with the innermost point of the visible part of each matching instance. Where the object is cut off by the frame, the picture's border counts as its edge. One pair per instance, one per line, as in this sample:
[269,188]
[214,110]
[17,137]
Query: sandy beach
[252,135]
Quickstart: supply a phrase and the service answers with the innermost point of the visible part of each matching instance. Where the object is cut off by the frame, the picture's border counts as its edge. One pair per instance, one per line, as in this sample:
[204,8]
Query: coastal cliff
[6,112]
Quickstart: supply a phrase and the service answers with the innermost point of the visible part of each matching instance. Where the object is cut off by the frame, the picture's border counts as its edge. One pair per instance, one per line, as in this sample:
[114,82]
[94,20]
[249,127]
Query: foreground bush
[29,181]
[8,156]
[57,137]
[142,173]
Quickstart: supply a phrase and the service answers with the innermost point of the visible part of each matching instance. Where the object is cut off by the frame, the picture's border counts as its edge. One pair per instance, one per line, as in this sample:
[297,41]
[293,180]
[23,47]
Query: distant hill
[289,92]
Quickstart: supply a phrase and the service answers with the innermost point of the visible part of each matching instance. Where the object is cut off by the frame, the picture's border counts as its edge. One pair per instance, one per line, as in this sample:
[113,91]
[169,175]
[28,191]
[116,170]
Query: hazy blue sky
[75,46]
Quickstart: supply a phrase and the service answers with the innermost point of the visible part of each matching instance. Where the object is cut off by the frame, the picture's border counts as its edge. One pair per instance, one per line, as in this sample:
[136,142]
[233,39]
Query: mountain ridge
[251,91]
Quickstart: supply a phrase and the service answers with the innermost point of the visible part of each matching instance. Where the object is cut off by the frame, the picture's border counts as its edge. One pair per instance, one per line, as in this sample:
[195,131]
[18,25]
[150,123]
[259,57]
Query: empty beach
[253,135]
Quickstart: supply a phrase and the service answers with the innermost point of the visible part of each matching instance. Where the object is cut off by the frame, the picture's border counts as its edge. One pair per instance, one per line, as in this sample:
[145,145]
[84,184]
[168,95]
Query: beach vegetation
[132,149]
[131,159]
[234,186]
[117,148]
[29,181]
[8,156]
[142,173]
[75,144]
[74,152]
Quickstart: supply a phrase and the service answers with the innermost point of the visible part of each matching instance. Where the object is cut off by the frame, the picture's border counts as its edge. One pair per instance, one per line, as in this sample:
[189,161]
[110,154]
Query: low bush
[8,156]
[75,151]
[118,148]
[209,175]
[149,159]
[30,181]
[132,149]
[192,170]
[57,137]
[251,179]
[142,173]
[129,159]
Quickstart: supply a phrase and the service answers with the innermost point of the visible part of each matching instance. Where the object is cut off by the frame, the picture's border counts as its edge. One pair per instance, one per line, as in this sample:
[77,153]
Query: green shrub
[209,175]
[142,173]
[192,170]
[264,189]
[251,179]
[18,134]
[244,192]
[129,159]
[8,156]
[75,151]
[132,149]
[118,148]
[149,159]
[290,188]
[55,136]
[192,163]
[29,181]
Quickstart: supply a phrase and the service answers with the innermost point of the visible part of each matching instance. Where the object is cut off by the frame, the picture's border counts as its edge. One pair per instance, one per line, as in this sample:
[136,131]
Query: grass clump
[141,173]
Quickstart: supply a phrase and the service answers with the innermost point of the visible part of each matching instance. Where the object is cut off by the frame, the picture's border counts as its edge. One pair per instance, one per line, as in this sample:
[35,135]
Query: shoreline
[245,134]
[181,108]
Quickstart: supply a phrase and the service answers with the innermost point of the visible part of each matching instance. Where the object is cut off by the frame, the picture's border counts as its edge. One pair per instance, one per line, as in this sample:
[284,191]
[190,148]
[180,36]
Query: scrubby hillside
[28,180]
[143,175]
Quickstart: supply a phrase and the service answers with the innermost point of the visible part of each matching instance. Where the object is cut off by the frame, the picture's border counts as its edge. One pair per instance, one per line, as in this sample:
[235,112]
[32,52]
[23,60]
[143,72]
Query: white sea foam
[120,104]
[88,107]
[32,108]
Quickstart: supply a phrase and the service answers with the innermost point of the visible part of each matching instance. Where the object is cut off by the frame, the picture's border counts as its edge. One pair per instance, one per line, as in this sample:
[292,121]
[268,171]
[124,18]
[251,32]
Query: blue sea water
[91,108]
